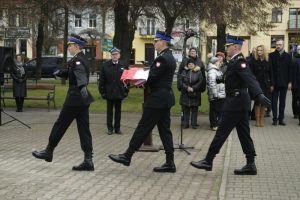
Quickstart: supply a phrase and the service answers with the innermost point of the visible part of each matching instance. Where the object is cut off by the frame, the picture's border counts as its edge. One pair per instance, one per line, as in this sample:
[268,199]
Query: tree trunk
[169,22]
[66,33]
[39,47]
[122,38]
[103,27]
[221,37]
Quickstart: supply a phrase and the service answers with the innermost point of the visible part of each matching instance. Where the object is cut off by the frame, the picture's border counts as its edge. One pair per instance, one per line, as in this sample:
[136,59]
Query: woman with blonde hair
[261,68]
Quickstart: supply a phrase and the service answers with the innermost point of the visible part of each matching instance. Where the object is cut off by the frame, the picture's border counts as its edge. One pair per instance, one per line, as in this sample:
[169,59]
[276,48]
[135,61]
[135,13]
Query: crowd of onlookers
[276,72]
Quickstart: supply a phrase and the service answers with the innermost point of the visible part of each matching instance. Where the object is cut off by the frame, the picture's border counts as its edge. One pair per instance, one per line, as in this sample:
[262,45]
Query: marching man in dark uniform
[157,106]
[238,79]
[76,106]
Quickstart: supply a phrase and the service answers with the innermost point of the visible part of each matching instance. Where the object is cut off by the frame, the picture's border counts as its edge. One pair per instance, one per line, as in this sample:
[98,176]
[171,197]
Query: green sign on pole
[107,44]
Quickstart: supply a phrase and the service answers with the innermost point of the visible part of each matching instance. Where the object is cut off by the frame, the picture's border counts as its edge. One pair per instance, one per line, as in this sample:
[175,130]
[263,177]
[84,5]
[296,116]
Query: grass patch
[133,103]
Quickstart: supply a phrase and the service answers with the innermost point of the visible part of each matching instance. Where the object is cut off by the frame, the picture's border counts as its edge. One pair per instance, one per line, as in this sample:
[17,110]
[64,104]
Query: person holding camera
[76,106]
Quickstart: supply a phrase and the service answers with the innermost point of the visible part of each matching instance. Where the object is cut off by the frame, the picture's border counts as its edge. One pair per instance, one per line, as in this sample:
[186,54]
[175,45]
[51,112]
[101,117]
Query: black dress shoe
[44,155]
[282,123]
[86,165]
[202,164]
[109,132]
[118,132]
[167,167]
[194,127]
[186,126]
[121,158]
[274,123]
[249,169]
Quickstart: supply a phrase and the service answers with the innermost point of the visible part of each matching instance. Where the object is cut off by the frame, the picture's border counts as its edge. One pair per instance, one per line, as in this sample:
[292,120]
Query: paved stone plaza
[24,177]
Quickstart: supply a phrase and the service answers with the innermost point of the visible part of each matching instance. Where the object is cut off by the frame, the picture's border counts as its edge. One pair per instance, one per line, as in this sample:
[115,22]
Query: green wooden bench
[50,97]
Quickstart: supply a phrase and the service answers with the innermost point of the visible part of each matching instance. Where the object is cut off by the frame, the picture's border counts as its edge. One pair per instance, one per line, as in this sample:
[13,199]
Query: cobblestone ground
[278,162]
[24,177]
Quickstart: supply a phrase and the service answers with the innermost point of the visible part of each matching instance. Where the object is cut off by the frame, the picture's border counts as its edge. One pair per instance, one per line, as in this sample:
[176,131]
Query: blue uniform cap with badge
[114,50]
[231,40]
[160,35]
[77,40]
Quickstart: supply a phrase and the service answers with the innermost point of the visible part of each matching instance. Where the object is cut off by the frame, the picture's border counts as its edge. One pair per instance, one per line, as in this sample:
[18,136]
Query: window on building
[150,26]
[92,21]
[294,18]
[22,21]
[276,15]
[77,20]
[274,38]
[12,20]
[187,24]
[9,42]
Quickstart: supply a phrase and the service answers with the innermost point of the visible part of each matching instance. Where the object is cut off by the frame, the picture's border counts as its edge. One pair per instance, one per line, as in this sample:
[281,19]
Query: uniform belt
[235,92]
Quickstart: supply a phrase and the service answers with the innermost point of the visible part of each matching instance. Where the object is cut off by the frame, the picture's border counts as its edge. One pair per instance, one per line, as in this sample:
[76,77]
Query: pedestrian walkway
[26,178]
[278,162]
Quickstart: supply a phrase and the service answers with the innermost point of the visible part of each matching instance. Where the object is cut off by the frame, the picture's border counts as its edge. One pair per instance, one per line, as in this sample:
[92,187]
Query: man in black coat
[113,90]
[76,106]
[157,106]
[238,79]
[281,66]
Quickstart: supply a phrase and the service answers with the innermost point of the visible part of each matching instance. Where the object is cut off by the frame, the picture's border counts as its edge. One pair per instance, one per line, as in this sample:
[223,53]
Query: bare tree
[126,14]
[172,10]
[252,15]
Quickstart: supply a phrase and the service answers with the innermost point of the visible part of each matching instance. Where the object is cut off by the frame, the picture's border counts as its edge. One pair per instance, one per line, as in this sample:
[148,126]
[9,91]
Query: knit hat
[213,60]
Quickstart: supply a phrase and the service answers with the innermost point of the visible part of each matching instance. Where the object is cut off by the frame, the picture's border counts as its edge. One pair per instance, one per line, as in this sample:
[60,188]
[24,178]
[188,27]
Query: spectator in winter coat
[261,68]
[19,83]
[281,63]
[198,62]
[216,91]
[189,83]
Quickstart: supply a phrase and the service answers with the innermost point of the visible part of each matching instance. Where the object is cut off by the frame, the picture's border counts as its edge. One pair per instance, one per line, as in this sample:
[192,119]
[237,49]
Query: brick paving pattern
[278,162]
[26,178]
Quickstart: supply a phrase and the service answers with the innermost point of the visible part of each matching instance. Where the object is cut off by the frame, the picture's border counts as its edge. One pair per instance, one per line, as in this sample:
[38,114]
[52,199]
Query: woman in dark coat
[189,83]
[261,68]
[19,83]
